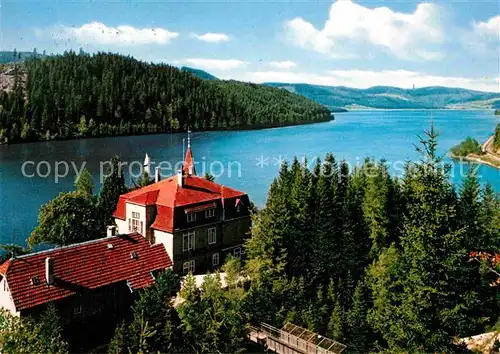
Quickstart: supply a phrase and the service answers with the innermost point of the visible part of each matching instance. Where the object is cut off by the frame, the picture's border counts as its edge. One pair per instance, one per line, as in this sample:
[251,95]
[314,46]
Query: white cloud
[213,64]
[490,28]
[287,64]
[482,39]
[353,30]
[212,37]
[99,33]
[367,78]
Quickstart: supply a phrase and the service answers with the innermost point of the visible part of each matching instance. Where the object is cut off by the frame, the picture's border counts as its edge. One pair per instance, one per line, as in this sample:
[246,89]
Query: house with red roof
[84,280]
[199,222]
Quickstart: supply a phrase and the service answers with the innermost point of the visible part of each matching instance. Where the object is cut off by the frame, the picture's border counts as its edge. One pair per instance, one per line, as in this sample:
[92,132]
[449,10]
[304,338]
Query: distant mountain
[9,57]
[200,73]
[386,97]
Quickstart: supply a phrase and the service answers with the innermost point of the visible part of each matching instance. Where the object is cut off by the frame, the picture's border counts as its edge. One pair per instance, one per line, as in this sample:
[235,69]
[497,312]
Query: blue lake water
[252,157]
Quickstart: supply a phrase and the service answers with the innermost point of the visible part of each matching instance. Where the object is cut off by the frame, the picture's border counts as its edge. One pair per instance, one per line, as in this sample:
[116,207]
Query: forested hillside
[198,72]
[80,95]
[386,97]
[378,263]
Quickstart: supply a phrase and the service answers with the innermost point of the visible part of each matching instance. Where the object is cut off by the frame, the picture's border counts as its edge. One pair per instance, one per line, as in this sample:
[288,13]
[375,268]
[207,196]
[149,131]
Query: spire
[188,165]
[146,164]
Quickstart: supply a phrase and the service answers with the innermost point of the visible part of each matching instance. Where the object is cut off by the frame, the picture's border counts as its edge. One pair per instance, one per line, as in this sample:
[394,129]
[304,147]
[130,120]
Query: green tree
[358,336]
[489,219]
[84,183]
[21,335]
[144,180]
[210,319]
[119,343]
[268,244]
[112,187]
[154,308]
[336,323]
[82,127]
[69,218]
[434,302]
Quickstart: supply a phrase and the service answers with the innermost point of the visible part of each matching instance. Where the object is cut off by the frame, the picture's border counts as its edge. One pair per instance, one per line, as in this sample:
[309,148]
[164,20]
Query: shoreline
[472,158]
[235,129]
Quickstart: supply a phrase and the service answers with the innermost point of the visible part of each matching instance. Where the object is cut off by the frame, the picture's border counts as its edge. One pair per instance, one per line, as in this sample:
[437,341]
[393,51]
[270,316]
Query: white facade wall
[6,301]
[167,239]
[123,225]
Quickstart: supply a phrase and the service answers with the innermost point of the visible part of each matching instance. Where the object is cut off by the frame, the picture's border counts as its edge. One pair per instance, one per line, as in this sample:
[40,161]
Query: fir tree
[112,188]
[435,302]
[84,182]
[336,322]
[358,328]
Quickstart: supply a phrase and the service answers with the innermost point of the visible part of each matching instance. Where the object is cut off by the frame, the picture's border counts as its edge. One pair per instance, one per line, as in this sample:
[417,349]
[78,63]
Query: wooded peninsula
[488,153]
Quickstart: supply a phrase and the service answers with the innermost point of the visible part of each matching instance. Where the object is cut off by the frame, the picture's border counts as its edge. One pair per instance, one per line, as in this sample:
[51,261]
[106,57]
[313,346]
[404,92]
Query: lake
[249,160]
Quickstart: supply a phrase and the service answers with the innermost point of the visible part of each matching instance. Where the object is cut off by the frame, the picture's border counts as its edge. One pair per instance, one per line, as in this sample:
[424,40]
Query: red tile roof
[196,192]
[87,265]
[167,195]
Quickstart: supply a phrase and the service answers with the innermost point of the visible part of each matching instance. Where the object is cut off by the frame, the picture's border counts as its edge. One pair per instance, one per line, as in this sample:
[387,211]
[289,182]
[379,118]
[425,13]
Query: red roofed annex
[199,222]
[110,269]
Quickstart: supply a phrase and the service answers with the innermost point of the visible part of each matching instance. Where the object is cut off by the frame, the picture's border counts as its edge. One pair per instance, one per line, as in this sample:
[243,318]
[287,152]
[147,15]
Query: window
[237,252]
[188,267]
[135,225]
[77,310]
[215,259]
[191,217]
[209,213]
[212,235]
[238,208]
[188,241]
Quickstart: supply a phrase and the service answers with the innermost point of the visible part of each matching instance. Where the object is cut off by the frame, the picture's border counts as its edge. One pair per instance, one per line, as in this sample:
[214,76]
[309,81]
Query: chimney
[111,230]
[180,178]
[157,174]
[49,271]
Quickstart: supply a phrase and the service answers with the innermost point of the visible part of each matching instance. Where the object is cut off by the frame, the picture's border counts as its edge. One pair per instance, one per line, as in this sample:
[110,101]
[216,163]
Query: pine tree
[270,231]
[144,180]
[84,182]
[299,236]
[489,219]
[336,322]
[469,206]
[376,207]
[119,343]
[434,303]
[325,259]
[112,188]
[358,336]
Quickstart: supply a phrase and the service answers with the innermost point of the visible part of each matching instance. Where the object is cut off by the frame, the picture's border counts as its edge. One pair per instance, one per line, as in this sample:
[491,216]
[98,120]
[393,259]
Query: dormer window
[191,217]
[134,223]
[209,213]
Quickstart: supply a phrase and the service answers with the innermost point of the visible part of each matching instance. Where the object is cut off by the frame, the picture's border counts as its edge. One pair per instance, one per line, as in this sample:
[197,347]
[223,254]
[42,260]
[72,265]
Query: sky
[358,44]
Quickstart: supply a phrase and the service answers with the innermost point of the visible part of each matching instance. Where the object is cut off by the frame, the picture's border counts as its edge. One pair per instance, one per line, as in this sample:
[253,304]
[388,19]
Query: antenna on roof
[189,138]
